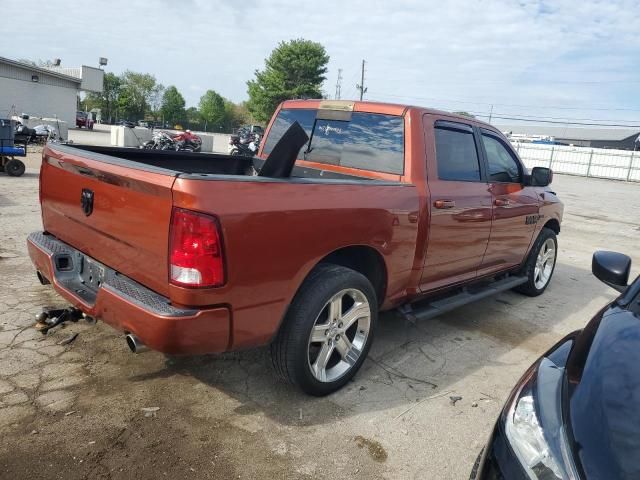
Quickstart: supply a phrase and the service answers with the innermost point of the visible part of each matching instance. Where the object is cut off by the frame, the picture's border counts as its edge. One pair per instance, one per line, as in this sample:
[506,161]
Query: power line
[587,122]
[563,123]
[352,91]
[607,109]
[562,119]
[559,121]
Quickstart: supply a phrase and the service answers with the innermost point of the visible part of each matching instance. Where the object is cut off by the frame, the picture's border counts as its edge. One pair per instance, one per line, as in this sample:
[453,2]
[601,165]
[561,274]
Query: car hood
[603,370]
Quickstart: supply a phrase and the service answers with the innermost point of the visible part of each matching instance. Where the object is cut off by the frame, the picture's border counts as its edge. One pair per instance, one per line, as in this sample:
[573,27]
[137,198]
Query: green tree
[237,115]
[213,111]
[155,102]
[136,93]
[173,106]
[194,119]
[107,100]
[295,69]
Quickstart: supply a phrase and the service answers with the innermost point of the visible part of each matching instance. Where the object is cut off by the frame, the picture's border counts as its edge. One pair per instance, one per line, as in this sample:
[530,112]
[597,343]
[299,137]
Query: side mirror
[540,177]
[612,268]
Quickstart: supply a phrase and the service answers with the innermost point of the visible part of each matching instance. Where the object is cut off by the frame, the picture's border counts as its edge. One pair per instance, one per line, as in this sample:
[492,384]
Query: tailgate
[127,225]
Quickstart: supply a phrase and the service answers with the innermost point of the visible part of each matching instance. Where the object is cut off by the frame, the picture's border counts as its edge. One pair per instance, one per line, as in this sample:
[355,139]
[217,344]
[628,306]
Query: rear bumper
[128,306]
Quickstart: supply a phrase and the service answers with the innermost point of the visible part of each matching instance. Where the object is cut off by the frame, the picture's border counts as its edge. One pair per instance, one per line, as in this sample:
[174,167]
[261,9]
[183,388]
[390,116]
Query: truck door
[460,206]
[515,208]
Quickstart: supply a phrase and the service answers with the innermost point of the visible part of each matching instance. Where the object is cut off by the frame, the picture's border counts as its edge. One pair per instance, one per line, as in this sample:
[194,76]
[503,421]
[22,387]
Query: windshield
[367,141]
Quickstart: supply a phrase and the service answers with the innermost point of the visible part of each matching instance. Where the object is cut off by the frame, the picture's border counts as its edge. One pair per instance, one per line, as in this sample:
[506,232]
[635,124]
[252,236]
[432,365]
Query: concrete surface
[82,136]
[75,411]
[129,137]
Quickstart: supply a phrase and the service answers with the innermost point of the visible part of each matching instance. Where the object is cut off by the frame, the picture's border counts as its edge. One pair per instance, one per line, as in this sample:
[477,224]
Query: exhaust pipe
[42,279]
[134,344]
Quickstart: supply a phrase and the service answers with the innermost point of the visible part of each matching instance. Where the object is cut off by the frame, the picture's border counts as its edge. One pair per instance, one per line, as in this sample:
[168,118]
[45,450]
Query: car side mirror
[540,177]
[612,268]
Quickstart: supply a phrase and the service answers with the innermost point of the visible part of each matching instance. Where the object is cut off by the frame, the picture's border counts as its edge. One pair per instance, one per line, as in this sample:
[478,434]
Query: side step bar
[425,309]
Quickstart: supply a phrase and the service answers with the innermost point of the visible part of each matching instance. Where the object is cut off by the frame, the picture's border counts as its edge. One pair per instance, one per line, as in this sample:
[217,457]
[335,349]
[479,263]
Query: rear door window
[456,153]
[366,141]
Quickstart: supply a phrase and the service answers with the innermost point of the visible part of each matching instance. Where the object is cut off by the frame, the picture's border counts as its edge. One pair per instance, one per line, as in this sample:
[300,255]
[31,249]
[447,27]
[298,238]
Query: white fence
[584,161]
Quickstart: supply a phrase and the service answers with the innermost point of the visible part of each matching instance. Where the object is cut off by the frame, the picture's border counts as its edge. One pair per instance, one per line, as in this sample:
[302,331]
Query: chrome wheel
[339,335]
[544,264]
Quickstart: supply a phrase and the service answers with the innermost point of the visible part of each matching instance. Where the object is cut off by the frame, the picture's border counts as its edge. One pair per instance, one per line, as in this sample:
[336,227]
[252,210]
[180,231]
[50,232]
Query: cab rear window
[367,141]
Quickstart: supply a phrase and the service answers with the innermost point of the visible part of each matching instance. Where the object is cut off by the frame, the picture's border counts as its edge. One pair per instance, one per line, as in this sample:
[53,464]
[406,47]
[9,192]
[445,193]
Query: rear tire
[540,264]
[327,331]
[14,168]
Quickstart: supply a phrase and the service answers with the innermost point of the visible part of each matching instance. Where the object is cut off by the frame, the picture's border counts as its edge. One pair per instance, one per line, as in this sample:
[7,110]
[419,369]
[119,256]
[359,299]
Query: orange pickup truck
[349,208]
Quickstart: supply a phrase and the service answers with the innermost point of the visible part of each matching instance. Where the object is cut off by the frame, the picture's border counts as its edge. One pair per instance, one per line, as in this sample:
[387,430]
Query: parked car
[250,130]
[126,123]
[83,119]
[349,208]
[574,414]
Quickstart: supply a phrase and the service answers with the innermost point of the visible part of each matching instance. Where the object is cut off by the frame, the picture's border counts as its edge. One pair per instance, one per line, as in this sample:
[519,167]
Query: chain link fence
[584,161]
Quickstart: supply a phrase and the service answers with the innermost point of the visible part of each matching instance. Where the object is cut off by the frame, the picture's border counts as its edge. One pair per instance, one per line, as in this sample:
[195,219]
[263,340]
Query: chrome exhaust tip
[134,344]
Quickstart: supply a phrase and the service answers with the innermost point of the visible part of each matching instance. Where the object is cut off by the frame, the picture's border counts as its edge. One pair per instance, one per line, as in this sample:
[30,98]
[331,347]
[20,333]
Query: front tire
[540,264]
[328,330]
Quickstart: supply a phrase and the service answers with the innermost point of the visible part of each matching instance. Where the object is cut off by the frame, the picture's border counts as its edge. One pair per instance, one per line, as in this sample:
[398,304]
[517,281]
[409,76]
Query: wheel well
[554,225]
[364,260]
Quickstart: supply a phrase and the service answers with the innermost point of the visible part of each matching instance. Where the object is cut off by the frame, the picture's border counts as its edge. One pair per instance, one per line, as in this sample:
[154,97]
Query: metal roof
[41,70]
[573,133]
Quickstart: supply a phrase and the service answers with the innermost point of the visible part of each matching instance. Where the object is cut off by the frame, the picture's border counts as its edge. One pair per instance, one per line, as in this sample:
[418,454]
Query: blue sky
[559,59]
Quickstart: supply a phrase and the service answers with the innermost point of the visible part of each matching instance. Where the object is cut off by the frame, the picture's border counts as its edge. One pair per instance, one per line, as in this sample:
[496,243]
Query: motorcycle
[246,146]
[188,141]
[180,142]
[25,134]
[160,141]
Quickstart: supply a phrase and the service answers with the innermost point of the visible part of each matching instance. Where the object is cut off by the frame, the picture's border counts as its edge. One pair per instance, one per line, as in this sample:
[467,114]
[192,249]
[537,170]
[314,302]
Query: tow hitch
[50,318]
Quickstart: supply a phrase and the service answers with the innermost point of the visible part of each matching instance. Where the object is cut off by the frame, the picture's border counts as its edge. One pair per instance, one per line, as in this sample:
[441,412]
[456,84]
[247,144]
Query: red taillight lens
[195,250]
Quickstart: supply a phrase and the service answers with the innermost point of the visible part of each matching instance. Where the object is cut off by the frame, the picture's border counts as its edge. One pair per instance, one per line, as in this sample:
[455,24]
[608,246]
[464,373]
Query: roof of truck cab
[378,107]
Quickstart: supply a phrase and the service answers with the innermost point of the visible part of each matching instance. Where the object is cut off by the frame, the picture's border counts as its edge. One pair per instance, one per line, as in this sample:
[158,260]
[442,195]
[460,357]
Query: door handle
[444,203]
[502,202]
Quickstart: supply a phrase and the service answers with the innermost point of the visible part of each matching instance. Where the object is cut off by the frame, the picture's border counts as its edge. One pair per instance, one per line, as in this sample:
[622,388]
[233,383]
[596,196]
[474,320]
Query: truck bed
[180,162]
[189,163]
[134,192]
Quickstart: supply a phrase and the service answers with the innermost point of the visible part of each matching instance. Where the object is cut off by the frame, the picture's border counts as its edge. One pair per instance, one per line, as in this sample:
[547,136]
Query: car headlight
[534,426]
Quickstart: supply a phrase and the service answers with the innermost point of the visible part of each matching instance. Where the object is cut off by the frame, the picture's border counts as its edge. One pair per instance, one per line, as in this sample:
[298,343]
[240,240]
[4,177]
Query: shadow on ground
[409,361]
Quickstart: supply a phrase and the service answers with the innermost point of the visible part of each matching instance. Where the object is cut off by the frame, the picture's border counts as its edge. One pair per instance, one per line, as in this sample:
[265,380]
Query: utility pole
[338,84]
[491,114]
[361,87]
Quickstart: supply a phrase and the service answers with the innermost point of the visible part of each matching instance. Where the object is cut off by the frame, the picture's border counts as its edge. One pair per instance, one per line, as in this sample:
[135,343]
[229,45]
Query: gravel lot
[75,411]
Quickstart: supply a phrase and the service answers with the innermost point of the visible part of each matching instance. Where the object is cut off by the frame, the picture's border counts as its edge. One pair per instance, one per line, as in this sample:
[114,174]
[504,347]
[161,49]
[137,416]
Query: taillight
[195,250]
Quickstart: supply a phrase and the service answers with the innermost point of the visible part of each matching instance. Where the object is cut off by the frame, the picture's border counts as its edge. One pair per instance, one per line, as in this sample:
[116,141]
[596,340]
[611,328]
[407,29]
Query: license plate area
[92,273]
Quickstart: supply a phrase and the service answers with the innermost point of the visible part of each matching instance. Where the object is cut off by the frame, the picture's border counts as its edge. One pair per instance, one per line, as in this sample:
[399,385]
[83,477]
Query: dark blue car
[575,414]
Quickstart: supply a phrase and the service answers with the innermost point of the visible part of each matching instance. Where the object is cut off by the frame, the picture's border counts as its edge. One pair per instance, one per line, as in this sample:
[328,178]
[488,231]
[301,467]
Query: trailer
[10,148]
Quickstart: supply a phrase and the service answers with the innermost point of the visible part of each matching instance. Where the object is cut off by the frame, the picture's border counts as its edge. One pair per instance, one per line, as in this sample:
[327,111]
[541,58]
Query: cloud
[539,53]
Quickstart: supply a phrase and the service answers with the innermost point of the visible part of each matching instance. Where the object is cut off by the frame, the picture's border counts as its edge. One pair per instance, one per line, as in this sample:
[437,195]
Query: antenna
[339,84]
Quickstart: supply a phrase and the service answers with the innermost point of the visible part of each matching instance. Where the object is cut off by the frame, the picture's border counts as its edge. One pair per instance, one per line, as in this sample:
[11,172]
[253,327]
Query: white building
[45,92]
